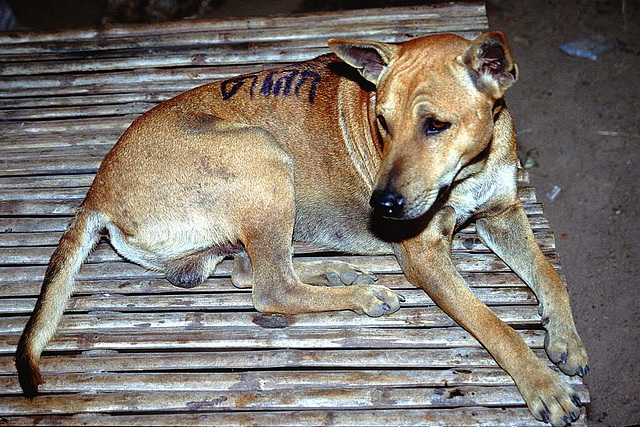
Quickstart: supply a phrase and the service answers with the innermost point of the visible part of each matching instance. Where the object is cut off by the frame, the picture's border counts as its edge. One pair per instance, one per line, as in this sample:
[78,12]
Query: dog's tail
[75,245]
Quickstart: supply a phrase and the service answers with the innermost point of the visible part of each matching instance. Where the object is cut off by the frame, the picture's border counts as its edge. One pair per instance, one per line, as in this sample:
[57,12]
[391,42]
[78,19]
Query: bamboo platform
[134,350]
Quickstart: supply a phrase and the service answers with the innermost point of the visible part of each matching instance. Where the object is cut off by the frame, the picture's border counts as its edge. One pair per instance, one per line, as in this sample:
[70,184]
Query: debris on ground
[589,47]
[528,159]
[554,192]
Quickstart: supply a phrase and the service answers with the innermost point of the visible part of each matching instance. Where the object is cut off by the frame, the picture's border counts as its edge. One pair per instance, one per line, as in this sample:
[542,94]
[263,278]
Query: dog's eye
[433,126]
[383,123]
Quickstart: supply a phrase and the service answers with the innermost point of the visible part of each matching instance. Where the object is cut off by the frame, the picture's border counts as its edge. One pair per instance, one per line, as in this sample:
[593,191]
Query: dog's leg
[322,273]
[509,235]
[276,286]
[242,274]
[426,261]
[333,273]
[277,289]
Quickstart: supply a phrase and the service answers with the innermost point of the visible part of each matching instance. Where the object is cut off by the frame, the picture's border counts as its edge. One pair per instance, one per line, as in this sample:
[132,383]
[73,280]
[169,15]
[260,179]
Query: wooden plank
[195,401]
[260,338]
[467,416]
[113,361]
[264,381]
[132,81]
[234,301]
[110,124]
[117,269]
[195,43]
[75,111]
[135,322]
[364,17]
[160,286]
[470,416]
[47,181]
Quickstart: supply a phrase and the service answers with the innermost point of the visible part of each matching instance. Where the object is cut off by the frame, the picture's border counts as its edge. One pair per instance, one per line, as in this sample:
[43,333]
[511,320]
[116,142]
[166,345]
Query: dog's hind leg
[242,274]
[321,273]
[333,273]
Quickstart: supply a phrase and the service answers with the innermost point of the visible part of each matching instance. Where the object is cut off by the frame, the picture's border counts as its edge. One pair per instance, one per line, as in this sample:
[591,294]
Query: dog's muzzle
[387,204]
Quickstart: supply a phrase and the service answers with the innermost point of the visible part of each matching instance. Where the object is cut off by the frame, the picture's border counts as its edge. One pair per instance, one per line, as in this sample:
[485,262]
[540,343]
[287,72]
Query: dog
[373,149]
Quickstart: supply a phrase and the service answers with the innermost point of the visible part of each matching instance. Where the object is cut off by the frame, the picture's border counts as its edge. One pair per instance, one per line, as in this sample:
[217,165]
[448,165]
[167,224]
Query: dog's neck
[360,137]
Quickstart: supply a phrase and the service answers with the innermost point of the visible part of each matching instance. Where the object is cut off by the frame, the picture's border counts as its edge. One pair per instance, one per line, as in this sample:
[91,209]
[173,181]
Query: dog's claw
[402,298]
[386,307]
[545,416]
[563,359]
[576,400]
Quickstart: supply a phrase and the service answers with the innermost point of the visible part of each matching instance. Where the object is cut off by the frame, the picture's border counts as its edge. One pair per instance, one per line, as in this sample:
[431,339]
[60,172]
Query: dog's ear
[369,58]
[490,63]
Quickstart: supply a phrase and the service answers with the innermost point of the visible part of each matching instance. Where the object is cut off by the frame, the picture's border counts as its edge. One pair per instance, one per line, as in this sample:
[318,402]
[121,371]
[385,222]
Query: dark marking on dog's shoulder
[217,170]
[196,123]
[277,83]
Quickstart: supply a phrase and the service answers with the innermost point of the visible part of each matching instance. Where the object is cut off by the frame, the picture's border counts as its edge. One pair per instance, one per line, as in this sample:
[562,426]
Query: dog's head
[434,105]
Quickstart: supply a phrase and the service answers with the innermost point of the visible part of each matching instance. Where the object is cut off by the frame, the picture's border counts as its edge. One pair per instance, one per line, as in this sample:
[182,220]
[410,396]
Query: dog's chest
[478,193]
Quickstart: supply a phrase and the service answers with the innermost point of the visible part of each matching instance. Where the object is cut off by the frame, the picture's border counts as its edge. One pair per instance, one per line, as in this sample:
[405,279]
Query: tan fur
[245,166]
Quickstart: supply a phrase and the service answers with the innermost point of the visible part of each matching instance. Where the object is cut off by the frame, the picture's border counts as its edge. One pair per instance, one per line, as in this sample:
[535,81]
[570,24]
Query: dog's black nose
[387,203]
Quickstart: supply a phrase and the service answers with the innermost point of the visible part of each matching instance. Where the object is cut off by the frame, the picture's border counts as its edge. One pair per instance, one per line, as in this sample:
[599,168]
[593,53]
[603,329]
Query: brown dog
[391,163]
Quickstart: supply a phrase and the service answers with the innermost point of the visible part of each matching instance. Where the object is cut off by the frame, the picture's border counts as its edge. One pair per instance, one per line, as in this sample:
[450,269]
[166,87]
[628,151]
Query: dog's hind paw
[333,273]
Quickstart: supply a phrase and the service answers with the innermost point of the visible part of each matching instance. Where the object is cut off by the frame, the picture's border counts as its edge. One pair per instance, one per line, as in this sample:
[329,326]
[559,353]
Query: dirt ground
[582,119]
[579,120]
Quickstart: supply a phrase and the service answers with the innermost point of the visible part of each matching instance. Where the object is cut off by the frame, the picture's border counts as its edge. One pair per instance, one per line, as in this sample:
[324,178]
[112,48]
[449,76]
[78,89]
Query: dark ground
[579,118]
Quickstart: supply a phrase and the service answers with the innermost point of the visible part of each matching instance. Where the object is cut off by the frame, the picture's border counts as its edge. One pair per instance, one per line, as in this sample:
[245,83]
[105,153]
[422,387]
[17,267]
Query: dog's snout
[387,203]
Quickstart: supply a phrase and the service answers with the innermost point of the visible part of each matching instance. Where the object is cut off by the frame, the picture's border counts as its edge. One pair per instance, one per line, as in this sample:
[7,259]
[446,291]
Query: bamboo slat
[231,400]
[265,381]
[361,17]
[474,415]
[112,361]
[161,286]
[134,350]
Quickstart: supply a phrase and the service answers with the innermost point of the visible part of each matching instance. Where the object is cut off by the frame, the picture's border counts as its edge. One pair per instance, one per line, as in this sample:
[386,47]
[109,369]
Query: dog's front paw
[377,300]
[550,399]
[565,348]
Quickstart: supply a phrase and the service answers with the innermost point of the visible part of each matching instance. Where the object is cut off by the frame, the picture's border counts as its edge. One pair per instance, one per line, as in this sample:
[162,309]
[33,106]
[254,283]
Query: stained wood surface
[134,350]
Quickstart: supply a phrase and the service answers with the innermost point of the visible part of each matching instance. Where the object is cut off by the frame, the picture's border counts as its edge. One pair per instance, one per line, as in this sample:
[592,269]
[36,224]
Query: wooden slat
[473,415]
[260,338]
[135,322]
[361,17]
[113,361]
[264,381]
[374,398]
[147,285]
[464,262]
[234,301]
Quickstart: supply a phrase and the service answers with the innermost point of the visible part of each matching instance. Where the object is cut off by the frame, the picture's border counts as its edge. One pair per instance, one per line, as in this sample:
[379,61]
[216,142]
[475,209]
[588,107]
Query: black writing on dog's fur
[275,83]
